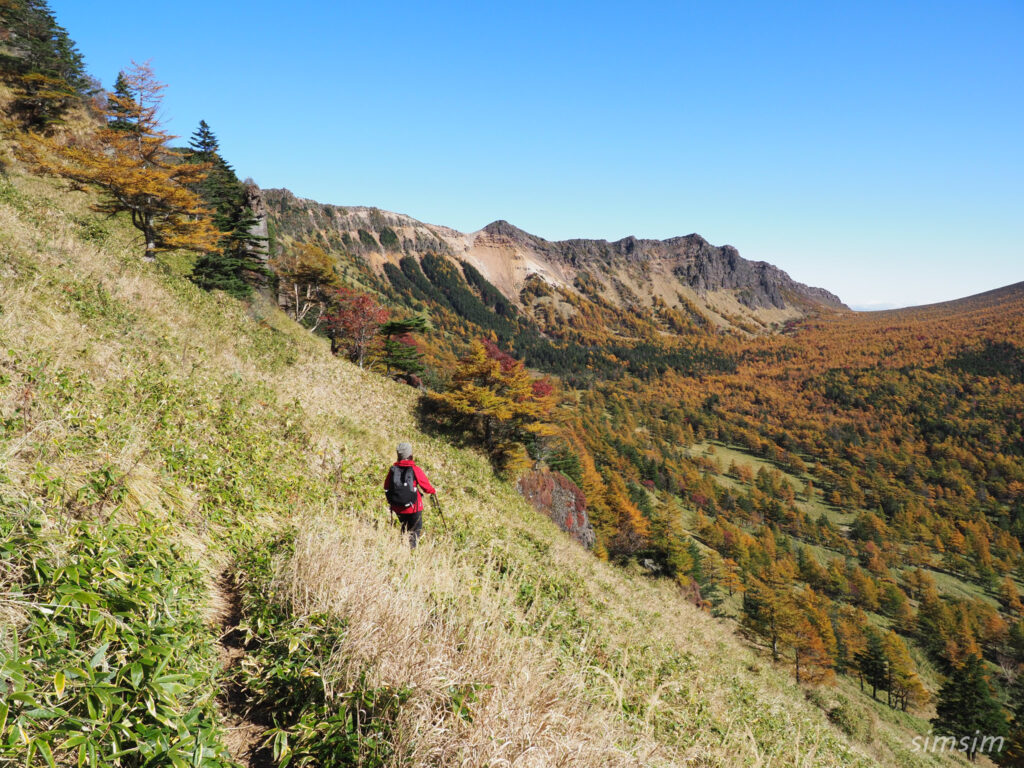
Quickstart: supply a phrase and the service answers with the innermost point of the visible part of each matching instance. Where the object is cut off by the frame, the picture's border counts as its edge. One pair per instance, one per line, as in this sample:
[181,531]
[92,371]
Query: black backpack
[402,493]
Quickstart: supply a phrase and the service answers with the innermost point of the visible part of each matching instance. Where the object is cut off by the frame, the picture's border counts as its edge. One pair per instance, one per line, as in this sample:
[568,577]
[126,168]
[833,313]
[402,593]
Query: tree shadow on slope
[991,358]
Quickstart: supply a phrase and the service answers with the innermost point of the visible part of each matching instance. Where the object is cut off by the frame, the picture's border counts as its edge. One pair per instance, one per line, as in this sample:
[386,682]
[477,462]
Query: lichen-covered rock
[559,498]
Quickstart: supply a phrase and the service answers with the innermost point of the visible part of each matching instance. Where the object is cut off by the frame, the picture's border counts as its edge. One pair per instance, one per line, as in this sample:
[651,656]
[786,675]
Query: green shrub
[113,665]
[367,239]
[853,719]
[388,238]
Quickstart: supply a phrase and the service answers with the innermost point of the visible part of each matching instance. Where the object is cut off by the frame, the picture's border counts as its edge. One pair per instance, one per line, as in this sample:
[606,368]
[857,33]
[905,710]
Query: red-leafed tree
[353,322]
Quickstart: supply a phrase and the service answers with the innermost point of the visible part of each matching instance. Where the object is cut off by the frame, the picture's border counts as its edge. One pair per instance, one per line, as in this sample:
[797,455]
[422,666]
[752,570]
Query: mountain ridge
[991,297]
[683,271]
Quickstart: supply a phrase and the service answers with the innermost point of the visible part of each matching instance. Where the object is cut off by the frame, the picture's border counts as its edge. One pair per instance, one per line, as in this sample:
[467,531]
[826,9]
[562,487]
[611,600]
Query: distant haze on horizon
[873,150]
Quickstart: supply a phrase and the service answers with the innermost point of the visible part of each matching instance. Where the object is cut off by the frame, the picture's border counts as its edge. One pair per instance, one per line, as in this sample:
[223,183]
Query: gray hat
[404,450]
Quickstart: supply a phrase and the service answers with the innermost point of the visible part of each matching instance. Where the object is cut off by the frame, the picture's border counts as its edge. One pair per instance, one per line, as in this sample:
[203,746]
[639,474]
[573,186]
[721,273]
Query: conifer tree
[204,143]
[400,353]
[631,531]
[1013,755]
[848,625]
[119,110]
[811,660]
[962,642]
[902,682]
[731,579]
[236,264]
[494,398]
[872,663]
[697,571]
[967,709]
[769,610]
[1009,596]
[41,63]
[810,569]
[563,459]
[934,621]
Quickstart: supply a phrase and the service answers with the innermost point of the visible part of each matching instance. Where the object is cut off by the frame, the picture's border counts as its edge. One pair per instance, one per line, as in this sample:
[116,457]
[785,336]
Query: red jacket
[422,483]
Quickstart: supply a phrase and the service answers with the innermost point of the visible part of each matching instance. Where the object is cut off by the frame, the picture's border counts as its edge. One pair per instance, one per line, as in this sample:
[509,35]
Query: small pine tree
[236,264]
[563,459]
[119,114]
[697,571]
[400,353]
[872,664]
[204,143]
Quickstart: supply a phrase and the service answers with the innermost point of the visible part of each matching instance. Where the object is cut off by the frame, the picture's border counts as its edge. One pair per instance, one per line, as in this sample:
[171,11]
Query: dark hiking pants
[413,525]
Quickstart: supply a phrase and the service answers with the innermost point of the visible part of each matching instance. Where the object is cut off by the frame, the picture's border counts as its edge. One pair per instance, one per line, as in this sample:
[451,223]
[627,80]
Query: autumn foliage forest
[848,488]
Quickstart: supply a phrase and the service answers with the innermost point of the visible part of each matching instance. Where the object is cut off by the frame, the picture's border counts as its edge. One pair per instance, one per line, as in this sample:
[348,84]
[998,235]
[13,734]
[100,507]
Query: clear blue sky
[872,148]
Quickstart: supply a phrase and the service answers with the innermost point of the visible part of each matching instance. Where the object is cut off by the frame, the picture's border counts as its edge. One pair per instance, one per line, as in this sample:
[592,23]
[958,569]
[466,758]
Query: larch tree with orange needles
[494,398]
[130,162]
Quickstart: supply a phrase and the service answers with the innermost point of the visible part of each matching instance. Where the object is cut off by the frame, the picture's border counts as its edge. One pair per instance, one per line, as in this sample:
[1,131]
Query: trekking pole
[437,506]
[392,519]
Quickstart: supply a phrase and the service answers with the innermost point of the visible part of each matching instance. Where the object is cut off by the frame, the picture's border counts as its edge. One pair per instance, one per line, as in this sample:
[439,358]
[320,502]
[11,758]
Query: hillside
[680,272]
[176,463]
[860,472]
[795,532]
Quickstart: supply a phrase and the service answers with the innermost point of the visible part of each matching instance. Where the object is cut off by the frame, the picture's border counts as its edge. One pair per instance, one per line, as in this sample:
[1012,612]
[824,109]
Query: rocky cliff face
[254,200]
[694,261]
[681,272]
[558,497]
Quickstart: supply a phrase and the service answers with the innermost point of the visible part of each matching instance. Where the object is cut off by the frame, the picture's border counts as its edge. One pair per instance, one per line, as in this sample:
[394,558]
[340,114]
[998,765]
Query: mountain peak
[503,229]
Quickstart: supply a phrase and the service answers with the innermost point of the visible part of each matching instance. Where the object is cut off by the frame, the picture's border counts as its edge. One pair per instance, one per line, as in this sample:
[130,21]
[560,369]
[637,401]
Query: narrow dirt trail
[244,726]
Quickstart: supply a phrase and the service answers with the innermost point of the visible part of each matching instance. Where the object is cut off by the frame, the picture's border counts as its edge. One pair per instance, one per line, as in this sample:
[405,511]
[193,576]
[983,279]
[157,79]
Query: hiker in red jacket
[402,487]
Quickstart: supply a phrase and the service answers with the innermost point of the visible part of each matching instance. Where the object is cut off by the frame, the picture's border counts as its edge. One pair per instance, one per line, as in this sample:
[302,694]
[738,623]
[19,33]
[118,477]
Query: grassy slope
[228,422]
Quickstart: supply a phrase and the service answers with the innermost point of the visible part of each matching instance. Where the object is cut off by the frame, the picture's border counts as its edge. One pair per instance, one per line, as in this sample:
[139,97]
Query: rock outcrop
[559,498]
[261,229]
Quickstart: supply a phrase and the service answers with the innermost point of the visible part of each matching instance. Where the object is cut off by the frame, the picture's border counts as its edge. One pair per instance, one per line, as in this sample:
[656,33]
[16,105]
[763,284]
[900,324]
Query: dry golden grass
[427,622]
